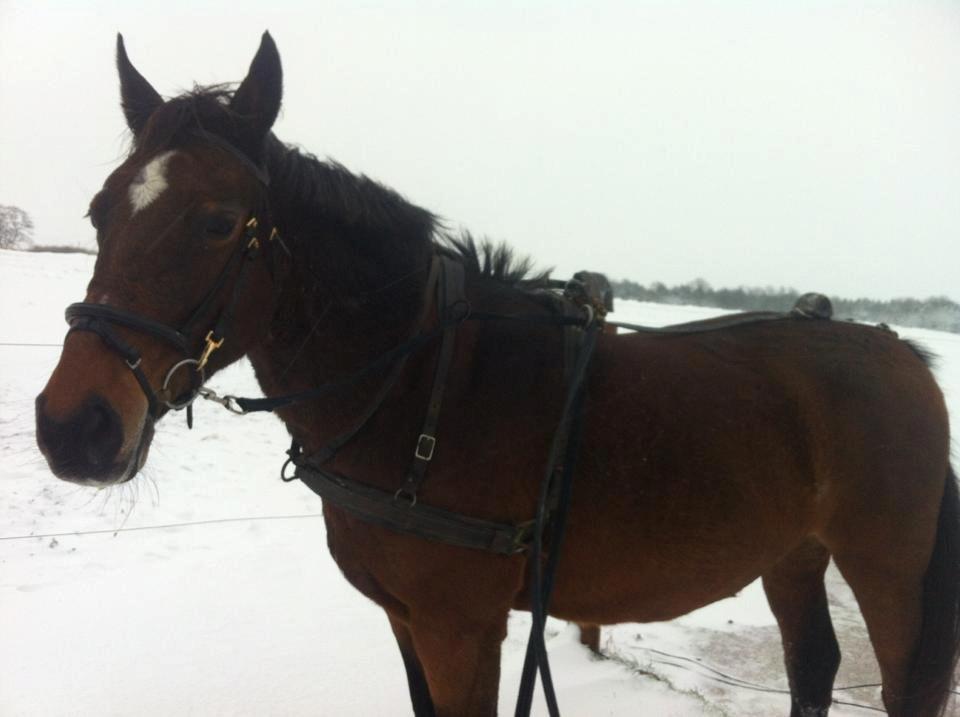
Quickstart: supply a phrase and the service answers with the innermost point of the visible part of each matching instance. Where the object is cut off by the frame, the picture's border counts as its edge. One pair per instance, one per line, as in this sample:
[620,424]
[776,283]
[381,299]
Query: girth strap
[377,506]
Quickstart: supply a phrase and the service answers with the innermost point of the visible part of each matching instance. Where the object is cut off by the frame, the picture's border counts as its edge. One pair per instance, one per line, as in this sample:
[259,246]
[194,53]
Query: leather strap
[130,320]
[329,450]
[377,506]
[715,324]
[451,296]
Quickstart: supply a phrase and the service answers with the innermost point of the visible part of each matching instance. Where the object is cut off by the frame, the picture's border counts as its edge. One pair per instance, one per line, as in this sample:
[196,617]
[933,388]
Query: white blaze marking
[150,182]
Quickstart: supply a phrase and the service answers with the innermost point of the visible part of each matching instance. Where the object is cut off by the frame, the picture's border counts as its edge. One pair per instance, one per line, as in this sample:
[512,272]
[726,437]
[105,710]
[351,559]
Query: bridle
[102,319]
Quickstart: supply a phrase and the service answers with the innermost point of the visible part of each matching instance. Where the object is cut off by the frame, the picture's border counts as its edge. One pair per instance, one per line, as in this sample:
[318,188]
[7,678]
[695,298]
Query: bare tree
[16,228]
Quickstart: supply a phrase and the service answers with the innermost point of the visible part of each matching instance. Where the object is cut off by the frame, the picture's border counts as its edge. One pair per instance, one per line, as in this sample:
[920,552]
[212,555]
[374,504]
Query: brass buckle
[251,227]
[210,347]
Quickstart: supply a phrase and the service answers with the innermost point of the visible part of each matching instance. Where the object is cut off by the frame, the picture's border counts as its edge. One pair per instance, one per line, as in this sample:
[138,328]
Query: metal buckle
[166,383]
[523,537]
[425,446]
[211,346]
[228,402]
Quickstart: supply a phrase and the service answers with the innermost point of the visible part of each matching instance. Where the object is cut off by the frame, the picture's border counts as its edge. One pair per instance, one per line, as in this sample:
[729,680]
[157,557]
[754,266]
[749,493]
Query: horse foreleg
[416,680]
[798,599]
[461,663]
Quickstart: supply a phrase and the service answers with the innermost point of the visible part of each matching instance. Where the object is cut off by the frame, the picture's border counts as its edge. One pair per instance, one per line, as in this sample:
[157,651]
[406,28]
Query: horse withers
[707,458]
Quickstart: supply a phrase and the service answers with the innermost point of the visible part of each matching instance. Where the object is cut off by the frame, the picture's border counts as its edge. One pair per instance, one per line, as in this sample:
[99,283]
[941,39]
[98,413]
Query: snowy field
[205,587]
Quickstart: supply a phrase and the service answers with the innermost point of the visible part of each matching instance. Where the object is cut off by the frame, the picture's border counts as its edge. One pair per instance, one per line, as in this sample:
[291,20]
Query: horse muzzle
[88,446]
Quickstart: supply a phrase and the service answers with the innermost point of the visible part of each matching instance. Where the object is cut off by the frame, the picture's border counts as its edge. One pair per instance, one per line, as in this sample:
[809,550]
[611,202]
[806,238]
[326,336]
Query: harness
[579,314]
[401,509]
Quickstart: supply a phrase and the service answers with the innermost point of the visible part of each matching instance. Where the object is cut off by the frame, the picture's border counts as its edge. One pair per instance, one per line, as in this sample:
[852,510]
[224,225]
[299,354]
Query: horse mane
[325,193]
[496,261]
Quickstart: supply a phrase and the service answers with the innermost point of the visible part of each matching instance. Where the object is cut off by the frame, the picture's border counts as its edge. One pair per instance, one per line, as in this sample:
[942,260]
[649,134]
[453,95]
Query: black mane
[492,260]
[326,194]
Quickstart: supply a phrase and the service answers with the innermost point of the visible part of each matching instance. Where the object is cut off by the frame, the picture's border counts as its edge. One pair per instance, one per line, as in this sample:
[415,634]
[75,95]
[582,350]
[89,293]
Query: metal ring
[283,471]
[402,495]
[176,406]
[591,314]
[459,311]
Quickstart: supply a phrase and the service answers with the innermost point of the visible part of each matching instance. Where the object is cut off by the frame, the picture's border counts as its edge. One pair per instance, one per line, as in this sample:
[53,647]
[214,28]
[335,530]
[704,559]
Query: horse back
[707,456]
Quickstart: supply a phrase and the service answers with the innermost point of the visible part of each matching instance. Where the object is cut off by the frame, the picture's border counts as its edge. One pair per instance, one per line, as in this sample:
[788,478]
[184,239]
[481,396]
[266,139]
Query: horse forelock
[204,108]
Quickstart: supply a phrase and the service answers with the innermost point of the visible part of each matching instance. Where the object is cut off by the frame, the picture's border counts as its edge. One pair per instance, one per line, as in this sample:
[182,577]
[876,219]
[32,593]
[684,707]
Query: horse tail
[931,675]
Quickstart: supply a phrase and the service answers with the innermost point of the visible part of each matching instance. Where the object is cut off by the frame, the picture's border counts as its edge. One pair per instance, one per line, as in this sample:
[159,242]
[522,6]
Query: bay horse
[707,458]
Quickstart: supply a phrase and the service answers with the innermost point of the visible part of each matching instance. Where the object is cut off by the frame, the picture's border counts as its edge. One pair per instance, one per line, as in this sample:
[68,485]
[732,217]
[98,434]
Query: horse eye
[219,225]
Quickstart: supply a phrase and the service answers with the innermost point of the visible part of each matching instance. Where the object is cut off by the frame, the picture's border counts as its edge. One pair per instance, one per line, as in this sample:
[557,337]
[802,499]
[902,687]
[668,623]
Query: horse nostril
[84,445]
[100,432]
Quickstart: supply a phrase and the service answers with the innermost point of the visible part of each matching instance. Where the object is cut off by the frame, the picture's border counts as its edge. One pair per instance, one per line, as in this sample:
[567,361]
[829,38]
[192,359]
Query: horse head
[182,284]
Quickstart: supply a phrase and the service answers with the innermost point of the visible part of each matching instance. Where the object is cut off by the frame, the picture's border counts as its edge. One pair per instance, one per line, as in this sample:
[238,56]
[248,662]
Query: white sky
[809,144]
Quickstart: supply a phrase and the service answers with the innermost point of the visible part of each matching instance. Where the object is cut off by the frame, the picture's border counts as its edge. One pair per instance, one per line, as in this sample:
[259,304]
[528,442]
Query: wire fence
[162,526]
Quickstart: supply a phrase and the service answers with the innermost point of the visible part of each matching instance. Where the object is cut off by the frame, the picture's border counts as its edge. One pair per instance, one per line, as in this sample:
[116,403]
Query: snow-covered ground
[244,613]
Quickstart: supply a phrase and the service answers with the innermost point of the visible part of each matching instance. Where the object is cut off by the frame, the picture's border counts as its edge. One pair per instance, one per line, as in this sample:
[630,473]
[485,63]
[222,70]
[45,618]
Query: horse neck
[343,299]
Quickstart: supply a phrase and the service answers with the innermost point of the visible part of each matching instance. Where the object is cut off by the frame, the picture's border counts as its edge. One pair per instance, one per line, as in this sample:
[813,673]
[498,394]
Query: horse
[707,458]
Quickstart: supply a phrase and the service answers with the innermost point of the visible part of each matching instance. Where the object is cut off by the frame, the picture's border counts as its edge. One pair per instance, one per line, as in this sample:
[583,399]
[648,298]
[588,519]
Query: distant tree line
[937,312]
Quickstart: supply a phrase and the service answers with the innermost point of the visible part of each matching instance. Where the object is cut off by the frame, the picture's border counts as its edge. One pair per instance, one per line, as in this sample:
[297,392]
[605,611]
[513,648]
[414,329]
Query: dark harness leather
[401,510]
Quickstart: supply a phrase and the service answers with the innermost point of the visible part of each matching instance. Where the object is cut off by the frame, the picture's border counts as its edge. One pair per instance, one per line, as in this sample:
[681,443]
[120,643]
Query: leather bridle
[102,319]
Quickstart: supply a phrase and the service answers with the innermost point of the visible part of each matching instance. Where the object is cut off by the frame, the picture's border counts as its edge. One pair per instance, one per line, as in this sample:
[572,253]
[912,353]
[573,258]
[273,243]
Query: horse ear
[257,100]
[137,96]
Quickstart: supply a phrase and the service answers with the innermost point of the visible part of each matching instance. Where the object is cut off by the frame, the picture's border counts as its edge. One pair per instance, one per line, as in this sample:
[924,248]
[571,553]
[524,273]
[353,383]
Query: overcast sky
[806,144]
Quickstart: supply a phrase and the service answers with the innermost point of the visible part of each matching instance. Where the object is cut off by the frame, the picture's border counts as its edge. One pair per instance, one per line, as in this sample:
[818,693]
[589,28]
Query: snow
[251,616]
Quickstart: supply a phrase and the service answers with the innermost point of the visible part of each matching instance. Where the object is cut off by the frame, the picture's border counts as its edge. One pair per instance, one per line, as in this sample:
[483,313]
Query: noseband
[102,319]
